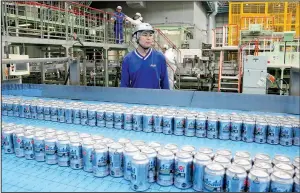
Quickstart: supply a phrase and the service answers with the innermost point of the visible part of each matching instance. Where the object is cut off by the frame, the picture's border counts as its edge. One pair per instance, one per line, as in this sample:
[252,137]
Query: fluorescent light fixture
[25,24]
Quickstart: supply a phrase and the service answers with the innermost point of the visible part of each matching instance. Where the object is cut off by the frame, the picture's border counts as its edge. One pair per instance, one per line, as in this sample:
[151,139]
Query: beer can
[212,127]
[281,182]
[39,147]
[139,173]
[100,161]
[244,163]
[281,159]
[264,166]
[207,151]
[171,147]
[214,177]
[190,126]
[158,123]
[285,167]
[168,125]
[152,156]
[155,145]
[118,120]
[224,128]
[69,115]
[148,122]
[84,116]
[137,121]
[109,119]
[199,163]
[261,130]
[4,107]
[296,133]
[50,149]
[33,110]
[273,133]
[47,112]
[61,114]
[179,124]
[54,113]
[108,141]
[124,141]
[248,130]
[100,117]
[26,110]
[21,110]
[76,156]
[15,107]
[28,144]
[87,150]
[224,152]
[183,170]
[40,111]
[236,179]
[9,108]
[224,161]
[189,149]
[63,150]
[242,155]
[76,115]
[297,183]
[116,160]
[92,117]
[165,167]
[201,123]
[296,162]
[18,136]
[286,134]
[129,152]
[258,181]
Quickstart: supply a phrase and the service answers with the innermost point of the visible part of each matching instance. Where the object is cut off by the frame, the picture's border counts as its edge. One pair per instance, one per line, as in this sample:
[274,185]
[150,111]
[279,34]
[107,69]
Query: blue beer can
[248,130]
[16,107]
[92,117]
[148,122]
[190,126]
[9,108]
[297,183]
[100,118]
[236,129]
[183,170]
[61,114]
[100,161]
[50,149]
[261,130]
[281,182]
[26,111]
[18,142]
[258,181]
[4,107]
[214,174]
[63,151]
[109,119]
[199,163]
[286,134]
[28,145]
[158,123]
[84,116]
[212,127]
[273,132]
[87,150]
[236,179]
[116,163]
[33,110]
[128,120]
[39,147]
[137,121]
[76,115]
[54,113]
[118,119]
[296,134]
[69,115]
[7,140]
[201,123]
[224,128]
[179,124]
[168,124]
[40,111]
[47,114]
[76,157]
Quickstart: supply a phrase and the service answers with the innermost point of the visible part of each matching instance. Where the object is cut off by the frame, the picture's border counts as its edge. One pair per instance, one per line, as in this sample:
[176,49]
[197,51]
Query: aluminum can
[84,116]
[47,113]
[116,160]
[39,147]
[264,166]
[207,151]
[183,170]
[297,183]
[224,128]
[137,121]
[171,147]
[214,174]
[73,134]
[224,161]
[224,152]
[165,167]
[281,159]
[76,116]
[201,126]
[152,156]
[199,163]
[9,108]
[100,118]
[50,149]
[248,130]
[258,181]
[246,164]
[139,173]
[69,115]
[158,123]
[129,152]
[236,179]
[109,119]
[118,119]
[155,145]
[54,113]
[18,143]
[15,107]
[168,124]
[281,182]
[28,145]
[273,133]
[63,151]
[76,156]
[26,110]
[100,161]
[296,162]
[261,130]
[21,110]
[40,111]
[242,155]
[92,117]
[148,121]
[286,134]
[33,110]
[296,134]
[61,114]
[128,120]
[260,157]
[285,167]
[4,107]
[84,136]
[179,125]
[87,150]
[138,143]
[212,127]
[190,126]
[189,149]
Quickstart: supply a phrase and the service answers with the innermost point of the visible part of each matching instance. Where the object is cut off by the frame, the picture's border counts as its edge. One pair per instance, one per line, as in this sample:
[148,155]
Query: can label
[261,133]
[87,159]
[76,116]
[168,125]
[183,174]
[165,172]
[50,150]
[116,164]
[200,128]
[273,134]
[213,183]
[148,123]
[53,114]
[47,115]
[18,146]
[235,183]
[26,112]
[190,127]
[158,124]
[224,131]
[279,187]
[16,110]
[212,129]
[248,132]
[91,118]
[28,148]
[76,161]
[297,187]
[69,116]
[39,150]
[83,117]
[61,115]
[33,111]
[100,118]
[10,111]
[296,134]
[257,186]
[198,175]
[127,167]
[286,136]
[179,125]
[4,108]
[152,169]
[236,131]
[137,122]
[63,151]
[100,164]
[139,177]
[40,112]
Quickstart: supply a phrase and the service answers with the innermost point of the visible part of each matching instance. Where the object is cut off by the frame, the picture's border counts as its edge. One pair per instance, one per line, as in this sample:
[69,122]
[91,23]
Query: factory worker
[118,19]
[136,20]
[144,67]
[171,64]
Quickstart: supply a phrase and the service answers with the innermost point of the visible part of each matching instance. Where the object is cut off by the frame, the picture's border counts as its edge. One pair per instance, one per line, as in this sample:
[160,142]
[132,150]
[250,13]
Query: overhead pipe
[211,21]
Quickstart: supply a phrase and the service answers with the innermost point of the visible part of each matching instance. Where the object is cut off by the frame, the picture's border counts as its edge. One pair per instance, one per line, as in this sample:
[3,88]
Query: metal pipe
[106,67]
[34,60]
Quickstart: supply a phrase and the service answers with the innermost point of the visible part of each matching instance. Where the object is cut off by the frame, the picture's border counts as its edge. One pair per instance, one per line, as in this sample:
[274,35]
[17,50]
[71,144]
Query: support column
[106,66]
[84,68]
[67,66]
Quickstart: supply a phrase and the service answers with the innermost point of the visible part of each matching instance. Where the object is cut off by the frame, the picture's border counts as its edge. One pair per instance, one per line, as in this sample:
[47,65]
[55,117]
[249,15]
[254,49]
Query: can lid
[116,145]
[259,173]
[148,150]
[124,140]
[63,138]
[138,143]
[262,156]
[165,152]
[243,154]
[107,140]
[75,139]
[242,162]
[171,146]
[202,157]
[221,159]
[284,166]
[100,147]
[281,158]
[281,175]
[236,169]
[72,133]
[224,152]
[154,144]
[184,155]
[215,167]
[188,148]
[84,135]
[131,148]
[205,150]
[264,165]
[140,157]
[97,137]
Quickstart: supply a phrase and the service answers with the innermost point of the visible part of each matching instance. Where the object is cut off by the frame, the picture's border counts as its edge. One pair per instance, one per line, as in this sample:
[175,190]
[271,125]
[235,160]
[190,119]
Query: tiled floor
[19,174]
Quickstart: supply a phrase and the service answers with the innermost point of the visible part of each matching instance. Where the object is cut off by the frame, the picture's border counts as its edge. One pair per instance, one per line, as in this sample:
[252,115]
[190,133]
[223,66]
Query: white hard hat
[166,46]
[119,7]
[138,14]
[143,27]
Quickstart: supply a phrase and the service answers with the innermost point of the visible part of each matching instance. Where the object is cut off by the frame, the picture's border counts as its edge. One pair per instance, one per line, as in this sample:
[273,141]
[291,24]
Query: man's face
[119,10]
[146,39]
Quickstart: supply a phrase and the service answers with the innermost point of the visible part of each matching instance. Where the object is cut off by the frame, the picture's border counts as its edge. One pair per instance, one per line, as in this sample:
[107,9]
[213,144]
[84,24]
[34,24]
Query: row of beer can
[284,130]
[144,163]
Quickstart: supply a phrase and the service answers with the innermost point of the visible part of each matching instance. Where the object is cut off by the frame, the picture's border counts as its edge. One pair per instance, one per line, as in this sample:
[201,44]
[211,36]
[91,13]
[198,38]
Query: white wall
[200,19]
[221,19]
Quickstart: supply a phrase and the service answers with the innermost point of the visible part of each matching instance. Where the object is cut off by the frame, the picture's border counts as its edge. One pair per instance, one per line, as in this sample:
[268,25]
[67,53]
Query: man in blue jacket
[118,18]
[144,67]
